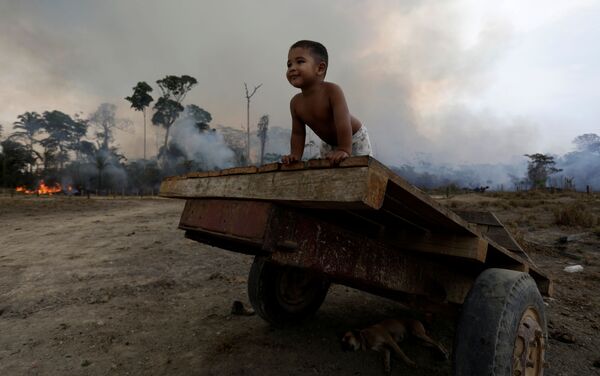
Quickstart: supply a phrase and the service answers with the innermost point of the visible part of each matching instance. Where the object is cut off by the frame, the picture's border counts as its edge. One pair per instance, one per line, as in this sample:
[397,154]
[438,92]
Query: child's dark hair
[316,49]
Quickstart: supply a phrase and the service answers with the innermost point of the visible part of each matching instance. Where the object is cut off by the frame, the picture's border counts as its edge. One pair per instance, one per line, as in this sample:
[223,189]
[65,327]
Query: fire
[42,189]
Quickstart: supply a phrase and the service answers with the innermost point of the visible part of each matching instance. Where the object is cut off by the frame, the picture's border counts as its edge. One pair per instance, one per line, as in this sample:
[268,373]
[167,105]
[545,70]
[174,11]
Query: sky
[455,81]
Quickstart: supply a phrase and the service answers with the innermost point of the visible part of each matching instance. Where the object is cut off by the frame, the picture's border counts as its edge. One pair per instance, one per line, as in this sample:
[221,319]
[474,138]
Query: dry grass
[575,214]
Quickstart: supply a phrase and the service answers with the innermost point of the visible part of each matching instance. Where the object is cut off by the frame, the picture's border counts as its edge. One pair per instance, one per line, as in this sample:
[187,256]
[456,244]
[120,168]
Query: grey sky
[458,81]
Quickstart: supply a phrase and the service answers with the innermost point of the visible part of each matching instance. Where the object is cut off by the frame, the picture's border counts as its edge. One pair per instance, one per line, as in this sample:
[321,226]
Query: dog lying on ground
[384,337]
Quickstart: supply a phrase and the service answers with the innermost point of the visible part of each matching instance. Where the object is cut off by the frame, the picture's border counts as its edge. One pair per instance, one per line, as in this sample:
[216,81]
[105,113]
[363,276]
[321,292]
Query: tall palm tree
[140,100]
[26,128]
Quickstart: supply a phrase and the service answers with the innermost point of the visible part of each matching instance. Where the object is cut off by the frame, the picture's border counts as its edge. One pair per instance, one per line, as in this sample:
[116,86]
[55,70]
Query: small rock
[573,268]
[238,309]
[563,337]
[215,275]
[85,363]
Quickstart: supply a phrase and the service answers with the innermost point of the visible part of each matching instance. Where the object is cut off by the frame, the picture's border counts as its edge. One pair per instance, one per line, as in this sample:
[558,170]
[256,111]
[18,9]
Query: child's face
[302,68]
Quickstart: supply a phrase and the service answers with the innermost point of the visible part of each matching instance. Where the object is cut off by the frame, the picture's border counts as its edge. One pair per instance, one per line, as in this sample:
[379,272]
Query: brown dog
[384,337]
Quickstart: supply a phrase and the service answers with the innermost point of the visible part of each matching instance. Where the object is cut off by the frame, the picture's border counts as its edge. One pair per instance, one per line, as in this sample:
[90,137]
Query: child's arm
[343,127]
[297,139]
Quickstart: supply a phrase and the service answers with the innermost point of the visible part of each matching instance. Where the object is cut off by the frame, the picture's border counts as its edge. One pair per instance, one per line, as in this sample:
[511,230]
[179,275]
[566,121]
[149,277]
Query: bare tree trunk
[144,112]
[166,140]
[247,127]
[248,96]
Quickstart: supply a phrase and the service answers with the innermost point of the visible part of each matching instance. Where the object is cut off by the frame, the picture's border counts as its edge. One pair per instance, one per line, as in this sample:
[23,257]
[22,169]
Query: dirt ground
[112,287]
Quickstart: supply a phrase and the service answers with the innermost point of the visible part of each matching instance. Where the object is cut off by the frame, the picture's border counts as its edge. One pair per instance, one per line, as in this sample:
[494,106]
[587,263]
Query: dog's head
[350,341]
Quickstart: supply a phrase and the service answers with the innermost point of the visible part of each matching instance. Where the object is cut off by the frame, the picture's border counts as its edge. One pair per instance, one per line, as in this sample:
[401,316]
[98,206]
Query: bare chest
[315,112]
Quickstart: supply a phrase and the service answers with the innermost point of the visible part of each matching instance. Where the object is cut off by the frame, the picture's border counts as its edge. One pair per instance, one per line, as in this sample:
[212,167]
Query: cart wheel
[502,328]
[284,295]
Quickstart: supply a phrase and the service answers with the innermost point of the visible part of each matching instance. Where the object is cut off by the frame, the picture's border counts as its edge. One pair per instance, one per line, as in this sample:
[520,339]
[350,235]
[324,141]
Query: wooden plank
[361,161]
[465,247]
[357,186]
[239,170]
[319,163]
[227,217]
[416,205]
[198,174]
[479,217]
[352,259]
[300,165]
[269,167]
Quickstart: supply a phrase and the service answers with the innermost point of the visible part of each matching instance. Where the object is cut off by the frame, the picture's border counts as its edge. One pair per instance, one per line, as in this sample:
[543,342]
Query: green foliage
[140,99]
[175,87]
[539,167]
[29,125]
[63,135]
[143,174]
[168,107]
[14,160]
[166,112]
[197,114]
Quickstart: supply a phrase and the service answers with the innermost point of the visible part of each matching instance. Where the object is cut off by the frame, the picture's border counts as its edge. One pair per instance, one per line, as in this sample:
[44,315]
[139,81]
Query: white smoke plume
[207,148]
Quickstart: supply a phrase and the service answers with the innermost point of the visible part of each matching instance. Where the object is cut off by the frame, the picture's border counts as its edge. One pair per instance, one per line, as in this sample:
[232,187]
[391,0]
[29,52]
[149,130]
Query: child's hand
[287,159]
[337,156]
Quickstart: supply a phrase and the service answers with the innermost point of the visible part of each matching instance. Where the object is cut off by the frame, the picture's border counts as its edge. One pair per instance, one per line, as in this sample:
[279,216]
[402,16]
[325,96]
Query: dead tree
[248,96]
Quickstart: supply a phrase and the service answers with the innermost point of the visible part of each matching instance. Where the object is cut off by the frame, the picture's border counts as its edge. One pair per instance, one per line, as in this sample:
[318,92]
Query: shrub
[574,214]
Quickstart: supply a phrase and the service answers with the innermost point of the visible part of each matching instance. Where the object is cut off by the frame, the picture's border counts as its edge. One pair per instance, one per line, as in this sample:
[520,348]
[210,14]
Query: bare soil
[112,287]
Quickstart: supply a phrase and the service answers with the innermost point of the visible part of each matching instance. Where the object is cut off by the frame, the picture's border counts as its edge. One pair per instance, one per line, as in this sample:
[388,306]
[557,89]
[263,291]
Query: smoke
[426,174]
[412,72]
[583,167]
[207,149]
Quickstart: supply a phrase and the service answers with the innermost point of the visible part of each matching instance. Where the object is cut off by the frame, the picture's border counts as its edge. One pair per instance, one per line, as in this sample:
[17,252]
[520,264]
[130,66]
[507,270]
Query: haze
[451,81]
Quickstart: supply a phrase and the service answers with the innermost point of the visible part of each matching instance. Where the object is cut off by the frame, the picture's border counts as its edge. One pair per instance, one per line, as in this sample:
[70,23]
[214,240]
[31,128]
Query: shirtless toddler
[321,105]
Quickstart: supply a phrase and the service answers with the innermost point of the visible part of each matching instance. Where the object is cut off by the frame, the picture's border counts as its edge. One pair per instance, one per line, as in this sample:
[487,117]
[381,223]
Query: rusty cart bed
[361,225]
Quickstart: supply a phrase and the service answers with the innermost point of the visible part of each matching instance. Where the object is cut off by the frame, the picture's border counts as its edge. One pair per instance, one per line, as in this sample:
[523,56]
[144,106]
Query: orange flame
[42,189]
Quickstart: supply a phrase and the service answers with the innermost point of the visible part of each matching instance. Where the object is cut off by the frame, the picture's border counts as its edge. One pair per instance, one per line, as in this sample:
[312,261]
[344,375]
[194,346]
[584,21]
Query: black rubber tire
[486,334]
[266,289]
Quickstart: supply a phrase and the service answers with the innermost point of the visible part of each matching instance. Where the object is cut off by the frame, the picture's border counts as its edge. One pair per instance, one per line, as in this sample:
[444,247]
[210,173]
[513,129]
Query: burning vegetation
[43,189]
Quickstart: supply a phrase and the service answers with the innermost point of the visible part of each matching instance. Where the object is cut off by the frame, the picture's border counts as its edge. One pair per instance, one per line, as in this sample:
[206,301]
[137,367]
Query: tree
[248,96]
[14,159]
[29,125]
[64,134]
[199,116]
[140,100]
[104,121]
[263,128]
[166,111]
[99,159]
[589,142]
[539,168]
[168,107]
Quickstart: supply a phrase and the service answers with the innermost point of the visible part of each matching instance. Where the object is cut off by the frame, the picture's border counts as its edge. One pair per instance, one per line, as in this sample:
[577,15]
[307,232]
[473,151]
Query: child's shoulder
[332,88]
[296,98]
